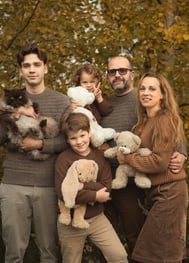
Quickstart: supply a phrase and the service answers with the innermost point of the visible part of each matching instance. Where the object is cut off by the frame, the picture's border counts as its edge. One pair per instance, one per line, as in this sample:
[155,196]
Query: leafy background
[154,34]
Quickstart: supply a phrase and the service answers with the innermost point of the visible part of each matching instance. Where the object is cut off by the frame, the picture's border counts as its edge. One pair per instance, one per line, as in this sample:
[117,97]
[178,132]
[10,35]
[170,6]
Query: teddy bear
[127,142]
[82,97]
[82,170]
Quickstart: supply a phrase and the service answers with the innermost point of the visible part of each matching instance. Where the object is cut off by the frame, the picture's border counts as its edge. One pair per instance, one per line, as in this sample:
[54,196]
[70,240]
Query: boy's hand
[102,195]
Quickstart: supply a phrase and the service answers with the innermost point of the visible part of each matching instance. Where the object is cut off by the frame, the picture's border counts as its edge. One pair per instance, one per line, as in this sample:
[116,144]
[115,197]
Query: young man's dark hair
[31,49]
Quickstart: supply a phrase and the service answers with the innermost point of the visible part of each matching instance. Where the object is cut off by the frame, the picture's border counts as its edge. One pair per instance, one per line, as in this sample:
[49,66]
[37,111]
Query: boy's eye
[72,138]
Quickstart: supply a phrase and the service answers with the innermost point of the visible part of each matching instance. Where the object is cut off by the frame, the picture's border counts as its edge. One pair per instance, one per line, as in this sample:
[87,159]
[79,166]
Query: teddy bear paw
[64,219]
[80,223]
[142,182]
[116,184]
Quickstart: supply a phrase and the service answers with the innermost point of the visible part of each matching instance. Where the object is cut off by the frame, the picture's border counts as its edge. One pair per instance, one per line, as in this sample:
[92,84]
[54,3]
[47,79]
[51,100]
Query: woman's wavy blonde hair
[168,105]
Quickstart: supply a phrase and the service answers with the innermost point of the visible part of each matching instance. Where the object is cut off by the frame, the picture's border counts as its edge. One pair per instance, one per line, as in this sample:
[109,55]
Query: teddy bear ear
[137,139]
[116,135]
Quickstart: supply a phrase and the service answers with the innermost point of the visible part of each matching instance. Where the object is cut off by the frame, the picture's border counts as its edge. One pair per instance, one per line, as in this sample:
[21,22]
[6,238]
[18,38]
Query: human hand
[29,144]
[104,147]
[120,157]
[81,185]
[27,111]
[98,93]
[176,162]
[75,106]
[102,195]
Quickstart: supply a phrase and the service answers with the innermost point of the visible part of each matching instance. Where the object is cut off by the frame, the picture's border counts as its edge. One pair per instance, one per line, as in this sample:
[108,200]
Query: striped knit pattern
[18,168]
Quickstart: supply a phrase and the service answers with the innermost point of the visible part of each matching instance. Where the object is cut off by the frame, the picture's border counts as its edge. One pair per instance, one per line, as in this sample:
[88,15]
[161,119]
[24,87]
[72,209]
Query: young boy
[77,131]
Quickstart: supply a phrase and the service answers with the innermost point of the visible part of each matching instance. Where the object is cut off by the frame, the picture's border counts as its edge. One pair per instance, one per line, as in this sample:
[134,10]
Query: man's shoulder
[55,93]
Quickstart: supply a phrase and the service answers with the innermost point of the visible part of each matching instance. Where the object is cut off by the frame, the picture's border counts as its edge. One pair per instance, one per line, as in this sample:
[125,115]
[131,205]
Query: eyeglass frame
[118,69]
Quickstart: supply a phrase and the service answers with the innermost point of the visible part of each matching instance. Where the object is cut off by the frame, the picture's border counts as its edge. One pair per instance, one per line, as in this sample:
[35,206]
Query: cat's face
[15,97]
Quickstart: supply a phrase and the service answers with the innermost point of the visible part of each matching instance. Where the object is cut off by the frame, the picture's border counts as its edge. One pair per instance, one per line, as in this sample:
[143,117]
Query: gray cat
[41,128]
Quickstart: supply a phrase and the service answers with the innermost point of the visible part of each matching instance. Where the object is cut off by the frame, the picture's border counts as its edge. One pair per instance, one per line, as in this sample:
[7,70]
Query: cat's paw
[36,107]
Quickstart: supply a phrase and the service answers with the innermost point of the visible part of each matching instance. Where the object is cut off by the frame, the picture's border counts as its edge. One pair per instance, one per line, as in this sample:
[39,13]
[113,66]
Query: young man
[72,239]
[127,203]
[27,190]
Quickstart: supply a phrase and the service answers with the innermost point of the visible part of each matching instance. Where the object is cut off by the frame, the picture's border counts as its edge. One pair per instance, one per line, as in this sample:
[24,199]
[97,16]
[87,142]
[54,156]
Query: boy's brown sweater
[88,193]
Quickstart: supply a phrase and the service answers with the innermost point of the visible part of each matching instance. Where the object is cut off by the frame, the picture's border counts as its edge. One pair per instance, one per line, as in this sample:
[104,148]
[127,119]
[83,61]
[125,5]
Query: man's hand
[102,195]
[27,111]
[29,144]
[176,162]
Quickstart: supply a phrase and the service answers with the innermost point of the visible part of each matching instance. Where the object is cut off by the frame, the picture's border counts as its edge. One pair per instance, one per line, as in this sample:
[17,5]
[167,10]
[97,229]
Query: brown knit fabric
[18,168]
[156,165]
[100,109]
[88,193]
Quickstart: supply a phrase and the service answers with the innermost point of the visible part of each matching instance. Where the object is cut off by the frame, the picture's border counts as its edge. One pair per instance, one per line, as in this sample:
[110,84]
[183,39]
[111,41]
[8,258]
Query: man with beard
[127,204]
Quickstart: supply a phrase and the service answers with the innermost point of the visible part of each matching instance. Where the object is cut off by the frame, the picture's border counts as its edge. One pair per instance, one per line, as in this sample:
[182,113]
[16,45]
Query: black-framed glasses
[122,71]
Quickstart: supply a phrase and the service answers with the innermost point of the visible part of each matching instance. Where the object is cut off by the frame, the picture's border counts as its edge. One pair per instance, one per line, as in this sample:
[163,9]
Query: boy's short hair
[75,122]
[31,49]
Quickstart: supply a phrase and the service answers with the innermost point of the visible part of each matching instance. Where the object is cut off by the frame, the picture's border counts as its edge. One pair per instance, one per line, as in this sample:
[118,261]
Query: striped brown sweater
[18,167]
[122,118]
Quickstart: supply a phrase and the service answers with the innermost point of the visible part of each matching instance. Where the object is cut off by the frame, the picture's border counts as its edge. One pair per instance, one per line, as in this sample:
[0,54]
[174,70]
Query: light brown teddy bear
[80,171]
[127,142]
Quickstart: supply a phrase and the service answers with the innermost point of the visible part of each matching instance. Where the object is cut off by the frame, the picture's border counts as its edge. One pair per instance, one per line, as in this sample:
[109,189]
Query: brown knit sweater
[156,165]
[19,169]
[88,193]
[100,109]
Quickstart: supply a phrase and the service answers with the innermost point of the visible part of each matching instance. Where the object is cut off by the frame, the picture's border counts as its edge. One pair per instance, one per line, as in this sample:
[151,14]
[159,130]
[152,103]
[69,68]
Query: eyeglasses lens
[122,71]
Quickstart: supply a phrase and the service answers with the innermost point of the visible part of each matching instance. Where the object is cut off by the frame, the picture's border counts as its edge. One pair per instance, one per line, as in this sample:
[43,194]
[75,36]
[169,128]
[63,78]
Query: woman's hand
[121,157]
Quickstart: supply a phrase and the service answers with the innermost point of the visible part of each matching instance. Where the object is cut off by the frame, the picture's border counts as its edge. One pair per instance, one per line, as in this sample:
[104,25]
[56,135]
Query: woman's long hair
[168,105]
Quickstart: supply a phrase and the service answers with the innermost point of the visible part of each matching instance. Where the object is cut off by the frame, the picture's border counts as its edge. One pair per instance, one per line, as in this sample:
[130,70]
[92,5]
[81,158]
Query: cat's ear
[6,91]
[23,89]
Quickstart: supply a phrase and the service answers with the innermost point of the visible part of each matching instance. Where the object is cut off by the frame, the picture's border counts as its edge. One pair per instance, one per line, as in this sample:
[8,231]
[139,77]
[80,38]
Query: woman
[162,238]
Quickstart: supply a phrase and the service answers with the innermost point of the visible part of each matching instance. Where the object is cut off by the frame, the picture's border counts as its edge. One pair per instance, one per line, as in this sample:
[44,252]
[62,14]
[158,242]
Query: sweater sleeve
[57,144]
[158,161]
[61,167]
[3,135]
[88,193]
[105,107]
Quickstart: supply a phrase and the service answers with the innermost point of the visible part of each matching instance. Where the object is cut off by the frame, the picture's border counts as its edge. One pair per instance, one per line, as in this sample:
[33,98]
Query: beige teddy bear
[127,142]
[80,171]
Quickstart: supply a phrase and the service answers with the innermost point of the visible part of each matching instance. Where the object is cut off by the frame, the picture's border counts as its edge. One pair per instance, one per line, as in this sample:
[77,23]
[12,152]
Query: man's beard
[123,88]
